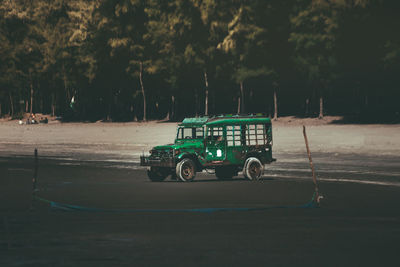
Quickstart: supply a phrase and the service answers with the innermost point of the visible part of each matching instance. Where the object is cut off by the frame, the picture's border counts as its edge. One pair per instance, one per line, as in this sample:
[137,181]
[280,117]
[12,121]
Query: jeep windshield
[190,133]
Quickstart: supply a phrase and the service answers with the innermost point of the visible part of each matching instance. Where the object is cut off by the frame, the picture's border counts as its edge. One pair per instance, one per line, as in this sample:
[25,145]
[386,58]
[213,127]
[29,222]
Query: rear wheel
[157,174]
[225,173]
[253,168]
[186,170]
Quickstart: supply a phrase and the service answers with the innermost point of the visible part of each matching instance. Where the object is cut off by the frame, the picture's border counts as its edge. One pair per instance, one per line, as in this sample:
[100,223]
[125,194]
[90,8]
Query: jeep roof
[224,120]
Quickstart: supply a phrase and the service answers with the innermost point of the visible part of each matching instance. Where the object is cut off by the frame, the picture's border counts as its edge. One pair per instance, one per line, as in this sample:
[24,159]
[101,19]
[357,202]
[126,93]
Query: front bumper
[163,162]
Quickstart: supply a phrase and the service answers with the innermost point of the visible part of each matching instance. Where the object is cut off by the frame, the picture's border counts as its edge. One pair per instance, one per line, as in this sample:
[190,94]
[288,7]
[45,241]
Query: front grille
[161,154]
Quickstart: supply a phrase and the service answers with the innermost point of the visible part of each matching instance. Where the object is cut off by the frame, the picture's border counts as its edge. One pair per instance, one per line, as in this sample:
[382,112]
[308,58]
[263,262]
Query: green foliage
[93,51]
[315,30]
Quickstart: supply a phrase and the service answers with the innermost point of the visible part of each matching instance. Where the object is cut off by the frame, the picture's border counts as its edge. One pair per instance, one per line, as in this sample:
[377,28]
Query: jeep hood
[181,145]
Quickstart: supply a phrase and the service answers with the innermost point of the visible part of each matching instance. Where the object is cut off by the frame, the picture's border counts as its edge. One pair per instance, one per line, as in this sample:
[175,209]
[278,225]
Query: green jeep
[228,144]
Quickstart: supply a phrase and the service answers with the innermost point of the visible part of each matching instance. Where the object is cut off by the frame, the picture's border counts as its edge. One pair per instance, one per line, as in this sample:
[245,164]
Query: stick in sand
[317,196]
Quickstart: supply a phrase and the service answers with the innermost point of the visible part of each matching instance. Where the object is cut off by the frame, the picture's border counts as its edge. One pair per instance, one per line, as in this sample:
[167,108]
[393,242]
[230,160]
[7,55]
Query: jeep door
[236,145]
[215,144]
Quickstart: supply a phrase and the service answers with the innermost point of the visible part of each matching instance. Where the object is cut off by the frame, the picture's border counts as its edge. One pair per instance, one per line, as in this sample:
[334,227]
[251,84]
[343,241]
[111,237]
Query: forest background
[125,60]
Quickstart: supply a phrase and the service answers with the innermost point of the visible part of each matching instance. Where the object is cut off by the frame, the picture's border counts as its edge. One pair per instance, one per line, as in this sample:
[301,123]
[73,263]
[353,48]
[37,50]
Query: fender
[191,156]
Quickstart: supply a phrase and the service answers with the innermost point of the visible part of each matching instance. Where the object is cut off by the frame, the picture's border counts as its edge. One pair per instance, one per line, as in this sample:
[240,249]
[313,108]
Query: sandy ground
[341,152]
[359,153]
[126,141]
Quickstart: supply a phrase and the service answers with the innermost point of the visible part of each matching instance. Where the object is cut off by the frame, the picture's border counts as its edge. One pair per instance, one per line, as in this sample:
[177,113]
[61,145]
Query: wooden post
[317,197]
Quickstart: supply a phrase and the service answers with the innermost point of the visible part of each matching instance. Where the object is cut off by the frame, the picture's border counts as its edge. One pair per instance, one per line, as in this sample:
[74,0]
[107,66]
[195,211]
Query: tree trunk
[167,116]
[41,104]
[196,102]
[275,106]
[172,107]
[11,105]
[307,109]
[109,111]
[242,107]
[143,93]
[238,105]
[110,106]
[53,105]
[31,110]
[206,97]
[26,106]
[213,102]
[321,107]
[134,111]
[68,97]
[157,110]
[0,111]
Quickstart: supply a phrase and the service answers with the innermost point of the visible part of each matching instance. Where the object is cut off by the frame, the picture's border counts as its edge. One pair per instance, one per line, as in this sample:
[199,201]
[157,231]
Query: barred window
[215,133]
[256,135]
[233,135]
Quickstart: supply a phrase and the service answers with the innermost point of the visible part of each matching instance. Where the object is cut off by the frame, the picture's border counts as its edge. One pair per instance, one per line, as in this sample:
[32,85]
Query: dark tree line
[127,60]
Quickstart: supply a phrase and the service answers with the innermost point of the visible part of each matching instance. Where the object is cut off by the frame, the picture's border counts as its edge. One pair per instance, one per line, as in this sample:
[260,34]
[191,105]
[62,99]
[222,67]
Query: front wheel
[186,170]
[253,168]
[157,174]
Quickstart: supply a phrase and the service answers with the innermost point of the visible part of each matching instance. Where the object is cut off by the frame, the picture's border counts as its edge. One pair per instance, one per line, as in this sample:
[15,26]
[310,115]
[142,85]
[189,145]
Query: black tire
[253,168]
[225,173]
[157,174]
[186,170]
[244,168]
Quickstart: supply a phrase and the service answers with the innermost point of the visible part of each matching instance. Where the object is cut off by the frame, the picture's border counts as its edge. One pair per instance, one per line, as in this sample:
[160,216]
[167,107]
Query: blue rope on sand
[68,207]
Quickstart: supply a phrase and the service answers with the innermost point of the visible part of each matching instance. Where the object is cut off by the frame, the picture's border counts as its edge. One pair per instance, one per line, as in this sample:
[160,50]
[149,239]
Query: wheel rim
[187,171]
[254,170]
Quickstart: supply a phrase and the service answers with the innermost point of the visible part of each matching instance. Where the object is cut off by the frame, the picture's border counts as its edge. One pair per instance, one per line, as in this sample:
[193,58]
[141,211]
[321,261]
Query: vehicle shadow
[216,180]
